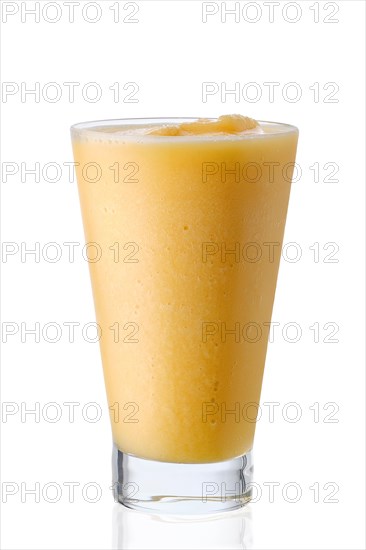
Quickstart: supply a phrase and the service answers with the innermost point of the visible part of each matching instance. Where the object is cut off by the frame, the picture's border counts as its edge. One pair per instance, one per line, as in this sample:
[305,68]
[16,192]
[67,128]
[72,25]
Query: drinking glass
[184,236]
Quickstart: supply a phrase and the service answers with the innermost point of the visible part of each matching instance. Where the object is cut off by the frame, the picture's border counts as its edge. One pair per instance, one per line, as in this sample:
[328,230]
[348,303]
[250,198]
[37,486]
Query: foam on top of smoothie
[225,124]
[225,127]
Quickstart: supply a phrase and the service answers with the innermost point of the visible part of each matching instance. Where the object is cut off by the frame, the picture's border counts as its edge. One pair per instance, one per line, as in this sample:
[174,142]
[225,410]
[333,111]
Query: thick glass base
[177,488]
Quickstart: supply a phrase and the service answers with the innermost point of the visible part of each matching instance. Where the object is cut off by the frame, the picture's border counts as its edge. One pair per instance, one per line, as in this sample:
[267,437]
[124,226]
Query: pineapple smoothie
[182,214]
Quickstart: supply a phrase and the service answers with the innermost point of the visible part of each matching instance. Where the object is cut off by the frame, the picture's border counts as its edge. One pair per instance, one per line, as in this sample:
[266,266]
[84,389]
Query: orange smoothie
[183,214]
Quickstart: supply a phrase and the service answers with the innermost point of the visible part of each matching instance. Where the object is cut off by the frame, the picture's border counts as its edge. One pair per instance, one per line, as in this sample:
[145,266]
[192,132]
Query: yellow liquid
[168,292]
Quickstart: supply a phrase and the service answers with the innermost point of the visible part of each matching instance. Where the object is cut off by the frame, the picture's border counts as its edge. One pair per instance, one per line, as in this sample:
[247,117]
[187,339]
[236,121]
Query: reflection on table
[143,531]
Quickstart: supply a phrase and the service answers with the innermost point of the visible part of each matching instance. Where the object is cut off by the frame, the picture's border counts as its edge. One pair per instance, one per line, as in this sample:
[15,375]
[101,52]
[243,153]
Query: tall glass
[184,238]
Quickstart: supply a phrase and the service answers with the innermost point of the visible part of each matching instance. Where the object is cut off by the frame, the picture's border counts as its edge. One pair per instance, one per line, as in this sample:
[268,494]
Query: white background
[169,53]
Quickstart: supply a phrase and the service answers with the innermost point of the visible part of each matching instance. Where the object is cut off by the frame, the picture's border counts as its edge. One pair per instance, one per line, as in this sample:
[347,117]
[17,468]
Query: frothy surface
[226,124]
[223,128]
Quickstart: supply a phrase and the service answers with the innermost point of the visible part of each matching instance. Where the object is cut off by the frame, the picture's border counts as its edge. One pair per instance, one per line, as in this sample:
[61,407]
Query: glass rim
[89,127]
